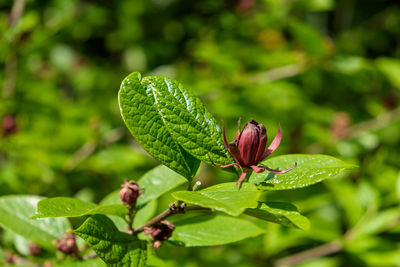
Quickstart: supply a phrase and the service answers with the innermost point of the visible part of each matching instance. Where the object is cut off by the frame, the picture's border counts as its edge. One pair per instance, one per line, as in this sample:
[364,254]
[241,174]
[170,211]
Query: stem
[174,208]
[316,252]
[130,218]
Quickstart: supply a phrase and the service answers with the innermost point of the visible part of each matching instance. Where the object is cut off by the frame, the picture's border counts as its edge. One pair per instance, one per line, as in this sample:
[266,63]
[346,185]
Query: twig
[377,123]
[316,252]
[16,12]
[89,148]
[11,64]
[277,73]
[174,208]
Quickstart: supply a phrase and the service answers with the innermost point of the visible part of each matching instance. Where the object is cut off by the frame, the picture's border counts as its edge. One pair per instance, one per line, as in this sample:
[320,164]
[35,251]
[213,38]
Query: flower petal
[242,176]
[222,167]
[257,169]
[278,171]
[234,150]
[263,138]
[274,145]
[239,131]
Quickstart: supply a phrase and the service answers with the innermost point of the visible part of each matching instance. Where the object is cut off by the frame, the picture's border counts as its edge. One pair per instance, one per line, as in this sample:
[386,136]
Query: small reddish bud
[129,192]
[67,244]
[34,249]
[160,232]
[9,125]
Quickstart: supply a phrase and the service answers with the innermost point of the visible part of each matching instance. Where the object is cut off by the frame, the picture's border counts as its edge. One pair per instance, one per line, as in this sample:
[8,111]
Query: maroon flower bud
[160,232]
[248,149]
[9,125]
[67,244]
[129,192]
[34,249]
[252,139]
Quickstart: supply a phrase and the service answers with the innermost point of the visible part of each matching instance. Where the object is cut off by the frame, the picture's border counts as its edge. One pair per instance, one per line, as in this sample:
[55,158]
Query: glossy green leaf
[224,197]
[155,183]
[72,207]
[212,230]
[187,120]
[14,215]
[142,117]
[112,246]
[145,214]
[310,169]
[280,213]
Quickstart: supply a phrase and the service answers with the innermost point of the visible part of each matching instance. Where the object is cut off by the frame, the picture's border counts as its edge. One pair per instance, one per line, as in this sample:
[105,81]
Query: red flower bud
[9,125]
[252,139]
[160,232]
[129,192]
[67,244]
[34,249]
[248,149]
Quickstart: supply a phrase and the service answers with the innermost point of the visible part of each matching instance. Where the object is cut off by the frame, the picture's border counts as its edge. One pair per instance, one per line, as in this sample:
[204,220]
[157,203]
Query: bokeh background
[328,71]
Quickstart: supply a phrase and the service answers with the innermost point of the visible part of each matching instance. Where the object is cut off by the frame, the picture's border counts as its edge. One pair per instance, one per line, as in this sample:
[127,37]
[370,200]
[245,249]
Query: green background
[327,71]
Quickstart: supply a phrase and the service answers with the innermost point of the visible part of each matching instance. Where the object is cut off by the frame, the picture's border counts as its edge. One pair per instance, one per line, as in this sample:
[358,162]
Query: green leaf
[112,246]
[155,183]
[145,214]
[309,38]
[143,119]
[390,67]
[224,197]
[281,213]
[72,207]
[14,214]
[212,230]
[187,120]
[310,169]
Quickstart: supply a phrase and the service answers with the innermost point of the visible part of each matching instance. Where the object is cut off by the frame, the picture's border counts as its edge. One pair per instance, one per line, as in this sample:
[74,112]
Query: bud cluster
[160,232]
[67,244]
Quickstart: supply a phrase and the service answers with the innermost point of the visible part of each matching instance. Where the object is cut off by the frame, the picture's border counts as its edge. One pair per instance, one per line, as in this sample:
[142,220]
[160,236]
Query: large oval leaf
[310,169]
[224,197]
[212,230]
[14,214]
[142,117]
[72,207]
[281,213]
[187,120]
[112,246]
[155,183]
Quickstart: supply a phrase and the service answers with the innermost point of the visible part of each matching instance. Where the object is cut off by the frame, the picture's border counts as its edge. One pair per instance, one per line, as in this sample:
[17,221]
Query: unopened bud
[67,244]
[129,192]
[160,232]
[9,125]
[34,249]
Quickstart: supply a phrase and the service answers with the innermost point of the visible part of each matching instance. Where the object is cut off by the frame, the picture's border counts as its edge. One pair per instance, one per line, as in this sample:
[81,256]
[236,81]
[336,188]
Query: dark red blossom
[248,149]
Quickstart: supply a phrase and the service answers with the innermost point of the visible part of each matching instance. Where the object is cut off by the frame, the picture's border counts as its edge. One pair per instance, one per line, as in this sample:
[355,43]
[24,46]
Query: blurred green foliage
[328,71]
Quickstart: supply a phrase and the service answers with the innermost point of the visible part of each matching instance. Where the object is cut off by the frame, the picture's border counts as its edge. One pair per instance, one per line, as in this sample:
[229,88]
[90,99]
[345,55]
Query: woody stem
[174,208]
[131,211]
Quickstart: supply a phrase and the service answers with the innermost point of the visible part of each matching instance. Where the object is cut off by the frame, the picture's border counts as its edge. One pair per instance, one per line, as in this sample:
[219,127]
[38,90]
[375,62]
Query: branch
[174,208]
[316,252]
